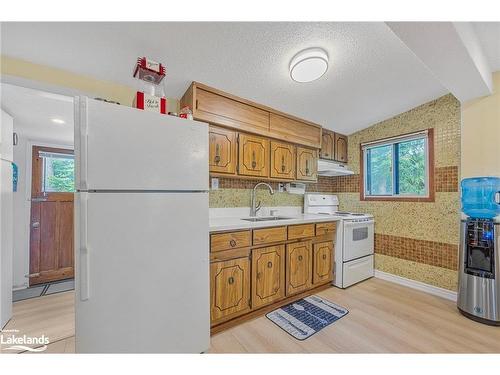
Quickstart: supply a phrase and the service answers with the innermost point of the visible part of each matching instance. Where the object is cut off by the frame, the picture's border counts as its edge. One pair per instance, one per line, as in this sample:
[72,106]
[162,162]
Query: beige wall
[481,134]
[63,78]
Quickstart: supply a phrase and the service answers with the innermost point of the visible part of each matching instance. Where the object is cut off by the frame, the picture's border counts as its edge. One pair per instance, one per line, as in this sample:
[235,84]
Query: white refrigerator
[6,217]
[141,231]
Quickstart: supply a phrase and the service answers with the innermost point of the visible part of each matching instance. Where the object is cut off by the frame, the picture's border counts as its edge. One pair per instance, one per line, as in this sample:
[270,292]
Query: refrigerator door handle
[84,251]
[84,274]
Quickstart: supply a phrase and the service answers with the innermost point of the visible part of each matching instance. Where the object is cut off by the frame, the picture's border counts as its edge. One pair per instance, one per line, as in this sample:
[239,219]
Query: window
[58,172]
[398,168]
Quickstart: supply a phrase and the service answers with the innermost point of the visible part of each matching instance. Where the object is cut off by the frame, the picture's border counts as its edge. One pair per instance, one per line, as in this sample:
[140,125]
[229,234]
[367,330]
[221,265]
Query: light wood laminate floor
[383,318]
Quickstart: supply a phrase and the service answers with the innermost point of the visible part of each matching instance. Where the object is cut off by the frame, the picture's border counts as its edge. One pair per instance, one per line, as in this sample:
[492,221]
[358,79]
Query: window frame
[430,197]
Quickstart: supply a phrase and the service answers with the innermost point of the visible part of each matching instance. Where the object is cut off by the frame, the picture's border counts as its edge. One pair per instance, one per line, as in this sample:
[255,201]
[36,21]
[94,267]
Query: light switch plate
[215,183]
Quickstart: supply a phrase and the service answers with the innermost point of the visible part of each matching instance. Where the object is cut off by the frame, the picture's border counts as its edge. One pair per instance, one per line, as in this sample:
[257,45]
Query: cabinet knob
[232,243]
[254,162]
[324,256]
[300,258]
[269,264]
[230,280]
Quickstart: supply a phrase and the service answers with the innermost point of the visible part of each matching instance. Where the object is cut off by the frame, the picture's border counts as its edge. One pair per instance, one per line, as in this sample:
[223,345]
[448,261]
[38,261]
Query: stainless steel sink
[267,218]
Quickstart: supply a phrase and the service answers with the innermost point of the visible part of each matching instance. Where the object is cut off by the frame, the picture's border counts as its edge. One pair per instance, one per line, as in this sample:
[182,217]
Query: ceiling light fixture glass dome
[308,65]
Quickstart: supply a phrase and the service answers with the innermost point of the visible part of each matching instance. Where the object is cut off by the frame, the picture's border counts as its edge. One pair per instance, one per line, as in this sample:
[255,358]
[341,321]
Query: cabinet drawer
[300,231]
[326,228]
[269,235]
[231,240]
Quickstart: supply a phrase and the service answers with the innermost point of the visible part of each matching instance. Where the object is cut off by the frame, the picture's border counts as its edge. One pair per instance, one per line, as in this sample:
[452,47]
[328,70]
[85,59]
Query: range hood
[331,168]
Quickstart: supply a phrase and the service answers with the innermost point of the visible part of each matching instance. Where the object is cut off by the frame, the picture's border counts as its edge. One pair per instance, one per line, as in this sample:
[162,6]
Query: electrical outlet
[281,187]
[215,183]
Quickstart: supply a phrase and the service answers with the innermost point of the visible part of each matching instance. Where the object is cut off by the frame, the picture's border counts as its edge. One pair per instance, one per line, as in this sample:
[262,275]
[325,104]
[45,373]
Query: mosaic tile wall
[416,240]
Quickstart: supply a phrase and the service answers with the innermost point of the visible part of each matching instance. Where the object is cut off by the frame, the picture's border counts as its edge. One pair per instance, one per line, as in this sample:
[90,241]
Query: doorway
[51,224]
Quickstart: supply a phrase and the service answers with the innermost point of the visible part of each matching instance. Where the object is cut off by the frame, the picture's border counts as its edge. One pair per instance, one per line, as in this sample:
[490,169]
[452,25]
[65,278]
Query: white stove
[354,245]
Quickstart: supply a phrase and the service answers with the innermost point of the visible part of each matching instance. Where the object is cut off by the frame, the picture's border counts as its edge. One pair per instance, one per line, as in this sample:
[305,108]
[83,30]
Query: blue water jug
[481,197]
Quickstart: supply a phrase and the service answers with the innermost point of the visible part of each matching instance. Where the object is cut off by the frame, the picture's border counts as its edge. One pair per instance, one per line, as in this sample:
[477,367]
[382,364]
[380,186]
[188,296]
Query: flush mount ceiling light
[58,121]
[309,65]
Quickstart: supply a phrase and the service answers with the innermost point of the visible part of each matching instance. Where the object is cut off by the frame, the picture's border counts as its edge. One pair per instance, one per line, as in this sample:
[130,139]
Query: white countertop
[234,223]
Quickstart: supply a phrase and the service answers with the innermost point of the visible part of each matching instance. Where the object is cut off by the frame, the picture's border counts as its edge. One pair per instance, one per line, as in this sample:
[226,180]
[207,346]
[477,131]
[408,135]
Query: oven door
[358,239]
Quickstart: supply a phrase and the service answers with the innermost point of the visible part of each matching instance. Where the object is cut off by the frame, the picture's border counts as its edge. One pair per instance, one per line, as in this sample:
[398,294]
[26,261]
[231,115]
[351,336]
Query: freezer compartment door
[123,148]
[142,273]
[357,270]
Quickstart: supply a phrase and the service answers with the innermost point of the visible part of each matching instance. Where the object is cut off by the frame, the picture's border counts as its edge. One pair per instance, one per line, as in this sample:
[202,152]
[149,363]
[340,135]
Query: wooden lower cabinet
[322,262]
[229,289]
[298,267]
[268,275]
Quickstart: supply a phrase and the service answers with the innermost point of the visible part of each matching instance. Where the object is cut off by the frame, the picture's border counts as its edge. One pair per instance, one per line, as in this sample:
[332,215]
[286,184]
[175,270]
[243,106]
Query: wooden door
[51,233]
[341,148]
[307,164]
[327,145]
[283,160]
[298,267]
[323,262]
[222,151]
[229,289]
[268,275]
[253,156]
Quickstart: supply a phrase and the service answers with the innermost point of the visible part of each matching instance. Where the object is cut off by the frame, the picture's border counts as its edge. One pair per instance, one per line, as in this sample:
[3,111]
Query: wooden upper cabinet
[327,145]
[340,148]
[223,150]
[229,288]
[298,267]
[253,156]
[221,108]
[322,262]
[283,160]
[218,109]
[291,130]
[307,164]
[268,275]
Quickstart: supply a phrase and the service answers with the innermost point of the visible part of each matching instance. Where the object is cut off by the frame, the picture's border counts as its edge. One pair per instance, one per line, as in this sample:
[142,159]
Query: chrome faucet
[254,208]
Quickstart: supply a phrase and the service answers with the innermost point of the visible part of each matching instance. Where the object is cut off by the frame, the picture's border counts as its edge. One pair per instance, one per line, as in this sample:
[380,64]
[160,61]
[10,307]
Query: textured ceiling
[488,34]
[372,74]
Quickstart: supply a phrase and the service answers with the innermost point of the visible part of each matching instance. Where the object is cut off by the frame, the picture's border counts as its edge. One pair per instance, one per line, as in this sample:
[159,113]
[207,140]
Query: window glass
[379,163]
[58,172]
[411,167]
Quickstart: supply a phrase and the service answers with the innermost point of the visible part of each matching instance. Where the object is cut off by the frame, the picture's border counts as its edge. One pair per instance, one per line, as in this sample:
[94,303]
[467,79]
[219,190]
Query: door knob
[35,225]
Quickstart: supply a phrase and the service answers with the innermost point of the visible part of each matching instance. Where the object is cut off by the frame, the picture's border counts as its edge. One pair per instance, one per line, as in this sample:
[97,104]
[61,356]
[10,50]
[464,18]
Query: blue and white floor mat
[305,317]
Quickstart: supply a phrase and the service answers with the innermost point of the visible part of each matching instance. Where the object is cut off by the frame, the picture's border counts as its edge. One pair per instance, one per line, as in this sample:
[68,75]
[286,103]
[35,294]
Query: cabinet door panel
[323,262]
[298,267]
[282,160]
[253,156]
[327,145]
[218,109]
[229,288]
[295,131]
[307,164]
[268,275]
[222,151]
[341,148]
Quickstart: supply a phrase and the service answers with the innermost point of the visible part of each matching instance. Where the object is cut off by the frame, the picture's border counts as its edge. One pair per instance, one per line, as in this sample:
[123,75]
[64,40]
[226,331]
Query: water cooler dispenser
[479,260]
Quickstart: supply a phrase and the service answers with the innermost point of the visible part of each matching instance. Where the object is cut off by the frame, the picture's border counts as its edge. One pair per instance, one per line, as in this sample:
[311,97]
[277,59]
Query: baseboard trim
[431,289]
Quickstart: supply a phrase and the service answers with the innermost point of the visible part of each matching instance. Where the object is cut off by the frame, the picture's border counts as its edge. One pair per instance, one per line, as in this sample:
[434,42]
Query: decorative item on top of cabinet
[283,160]
[253,156]
[223,150]
[268,275]
[307,164]
[322,262]
[340,148]
[327,145]
[229,289]
[299,267]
